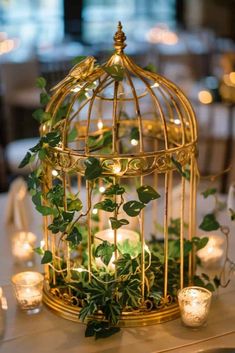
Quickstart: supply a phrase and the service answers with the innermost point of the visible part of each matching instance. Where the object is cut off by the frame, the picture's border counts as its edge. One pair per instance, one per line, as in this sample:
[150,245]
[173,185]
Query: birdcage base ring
[128,319]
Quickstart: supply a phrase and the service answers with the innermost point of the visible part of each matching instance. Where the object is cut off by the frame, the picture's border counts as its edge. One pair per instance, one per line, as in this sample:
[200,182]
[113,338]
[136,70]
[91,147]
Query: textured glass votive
[23,244]
[28,290]
[194,303]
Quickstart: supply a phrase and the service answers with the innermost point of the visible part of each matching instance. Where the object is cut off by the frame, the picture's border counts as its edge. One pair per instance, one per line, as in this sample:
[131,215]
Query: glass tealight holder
[28,290]
[194,303]
[23,244]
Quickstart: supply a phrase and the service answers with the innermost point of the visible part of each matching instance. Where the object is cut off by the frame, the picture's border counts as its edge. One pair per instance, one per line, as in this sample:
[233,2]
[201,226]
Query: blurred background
[192,42]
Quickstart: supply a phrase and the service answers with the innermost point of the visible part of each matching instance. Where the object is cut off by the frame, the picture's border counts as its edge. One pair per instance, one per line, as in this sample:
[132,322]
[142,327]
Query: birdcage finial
[119,39]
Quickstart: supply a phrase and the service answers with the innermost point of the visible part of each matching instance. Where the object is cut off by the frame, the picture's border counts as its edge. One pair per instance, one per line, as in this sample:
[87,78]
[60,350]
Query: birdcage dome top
[130,118]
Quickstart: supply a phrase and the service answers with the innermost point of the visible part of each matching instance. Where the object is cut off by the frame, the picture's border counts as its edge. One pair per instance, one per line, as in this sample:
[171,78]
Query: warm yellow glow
[54,172]
[177,121]
[95,211]
[42,244]
[102,189]
[116,59]
[232,77]
[8,45]
[205,97]
[100,125]
[76,89]
[134,142]
[116,169]
[155,85]
[162,34]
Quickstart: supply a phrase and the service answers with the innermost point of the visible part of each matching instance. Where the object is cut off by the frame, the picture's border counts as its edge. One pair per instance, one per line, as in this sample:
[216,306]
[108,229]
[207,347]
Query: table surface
[46,332]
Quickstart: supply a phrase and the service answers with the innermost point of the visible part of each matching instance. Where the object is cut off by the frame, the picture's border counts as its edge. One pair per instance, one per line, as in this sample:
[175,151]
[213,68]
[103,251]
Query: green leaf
[38,251]
[117,223]
[25,160]
[186,173]
[100,141]
[41,116]
[146,194]
[208,192]
[45,210]
[42,153]
[72,134]
[93,168]
[106,205]
[47,257]
[115,71]
[61,113]
[210,287]
[100,329]
[115,189]
[67,216]
[209,223]
[105,251]
[58,225]
[44,98]
[126,265]
[232,214]
[112,311]
[78,59]
[133,208]
[200,242]
[75,237]
[56,195]
[87,310]
[151,67]
[129,293]
[135,134]
[52,138]
[41,82]
[74,205]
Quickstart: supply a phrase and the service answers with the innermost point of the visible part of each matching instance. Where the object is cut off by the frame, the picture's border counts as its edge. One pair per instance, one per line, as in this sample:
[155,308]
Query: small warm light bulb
[100,125]
[134,142]
[42,244]
[177,121]
[54,172]
[76,89]
[232,77]
[102,189]
[95,211]
[116,169]
[155,85]
[205,97]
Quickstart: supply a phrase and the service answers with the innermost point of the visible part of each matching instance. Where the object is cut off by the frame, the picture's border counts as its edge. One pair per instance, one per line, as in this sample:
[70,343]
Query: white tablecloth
[45,332]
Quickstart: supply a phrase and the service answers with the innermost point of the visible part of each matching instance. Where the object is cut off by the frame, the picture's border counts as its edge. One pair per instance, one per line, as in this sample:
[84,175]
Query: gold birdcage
[139,129]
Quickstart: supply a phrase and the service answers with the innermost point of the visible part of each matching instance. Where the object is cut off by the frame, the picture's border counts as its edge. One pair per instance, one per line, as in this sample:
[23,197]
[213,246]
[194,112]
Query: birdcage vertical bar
[89,240]
[166,219]
[182,232]
[192,210]
[67,248]
[142,240]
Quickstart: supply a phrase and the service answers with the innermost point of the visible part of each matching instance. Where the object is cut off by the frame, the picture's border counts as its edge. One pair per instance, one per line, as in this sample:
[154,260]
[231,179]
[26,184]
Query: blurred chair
[19,91]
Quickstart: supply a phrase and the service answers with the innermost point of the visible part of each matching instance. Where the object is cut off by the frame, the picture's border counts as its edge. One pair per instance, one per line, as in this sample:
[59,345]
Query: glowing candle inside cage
[28,290]
[122,235]
[194,303]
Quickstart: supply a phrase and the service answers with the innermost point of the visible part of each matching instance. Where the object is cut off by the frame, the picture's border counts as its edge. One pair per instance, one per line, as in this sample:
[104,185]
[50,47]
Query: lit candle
[108,235]
[23,244]
[194,303]
[212,254]
[28,290]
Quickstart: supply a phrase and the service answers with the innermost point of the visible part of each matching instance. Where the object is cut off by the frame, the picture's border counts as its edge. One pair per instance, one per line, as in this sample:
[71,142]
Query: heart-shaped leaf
[146,194]
[209,223]
[93,168]
[133,208]
[117,223]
